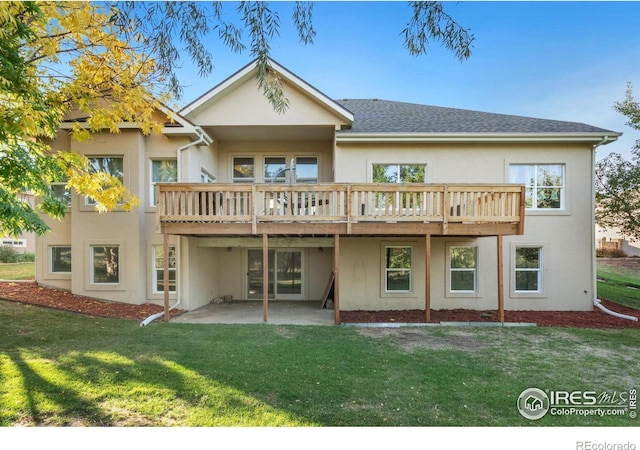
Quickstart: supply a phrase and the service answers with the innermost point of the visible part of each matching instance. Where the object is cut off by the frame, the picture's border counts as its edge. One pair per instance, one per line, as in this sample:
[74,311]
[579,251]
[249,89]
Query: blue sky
[556,60]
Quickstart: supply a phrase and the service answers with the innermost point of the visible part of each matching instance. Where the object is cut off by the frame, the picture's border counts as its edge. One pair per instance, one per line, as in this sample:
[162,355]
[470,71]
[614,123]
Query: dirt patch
[33,294]
[409,340]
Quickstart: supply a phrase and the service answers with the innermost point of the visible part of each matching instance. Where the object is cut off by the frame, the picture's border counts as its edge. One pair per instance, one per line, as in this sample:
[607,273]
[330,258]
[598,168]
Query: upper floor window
[61,192]
[306,169]
[274,166]
[399,173]
[112,165]
[162,171]
[545,184]
[243,169]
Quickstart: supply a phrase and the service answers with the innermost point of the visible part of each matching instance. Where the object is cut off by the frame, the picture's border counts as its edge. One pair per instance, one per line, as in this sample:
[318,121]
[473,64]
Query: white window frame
[264,166]
[154,269]
[152,183]
[206,176]
[50,258]
[385,270]
[545,250]
[92,280]
[463,293]
[535,187]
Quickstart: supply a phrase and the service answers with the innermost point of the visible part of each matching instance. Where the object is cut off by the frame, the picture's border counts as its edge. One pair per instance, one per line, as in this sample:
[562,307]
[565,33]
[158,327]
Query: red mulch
[581,319]
[30,292]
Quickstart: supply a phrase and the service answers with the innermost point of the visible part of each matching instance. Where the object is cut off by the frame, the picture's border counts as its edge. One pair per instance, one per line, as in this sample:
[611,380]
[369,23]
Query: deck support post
[265,277]
[165,274]
[500,280]
[427,280]
[336,281]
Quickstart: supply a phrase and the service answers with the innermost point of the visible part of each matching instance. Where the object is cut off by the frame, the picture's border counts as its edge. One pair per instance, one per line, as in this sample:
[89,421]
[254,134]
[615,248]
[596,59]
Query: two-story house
[398,205]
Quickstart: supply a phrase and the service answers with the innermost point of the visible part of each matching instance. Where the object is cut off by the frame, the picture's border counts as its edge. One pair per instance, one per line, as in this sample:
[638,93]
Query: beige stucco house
[398,205]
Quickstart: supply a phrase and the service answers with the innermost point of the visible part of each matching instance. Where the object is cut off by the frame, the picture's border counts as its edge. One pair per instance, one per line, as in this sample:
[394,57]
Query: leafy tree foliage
[618,180]
[102,64]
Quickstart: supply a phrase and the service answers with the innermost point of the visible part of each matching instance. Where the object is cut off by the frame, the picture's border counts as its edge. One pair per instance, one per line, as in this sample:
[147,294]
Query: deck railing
[339,203]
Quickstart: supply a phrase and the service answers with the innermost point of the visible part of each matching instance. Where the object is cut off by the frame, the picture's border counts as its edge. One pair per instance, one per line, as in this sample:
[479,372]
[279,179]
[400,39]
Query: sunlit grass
[18,271]
[59,369]
[621,287]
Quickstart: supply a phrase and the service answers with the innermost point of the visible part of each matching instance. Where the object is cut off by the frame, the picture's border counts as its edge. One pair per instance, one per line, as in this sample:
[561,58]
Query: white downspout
[203,138]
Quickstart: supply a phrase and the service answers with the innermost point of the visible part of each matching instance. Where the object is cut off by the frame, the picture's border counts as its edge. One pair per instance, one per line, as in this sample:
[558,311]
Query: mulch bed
[32,293]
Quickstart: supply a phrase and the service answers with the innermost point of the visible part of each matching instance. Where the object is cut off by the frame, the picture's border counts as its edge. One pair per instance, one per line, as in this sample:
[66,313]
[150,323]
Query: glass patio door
[285,274]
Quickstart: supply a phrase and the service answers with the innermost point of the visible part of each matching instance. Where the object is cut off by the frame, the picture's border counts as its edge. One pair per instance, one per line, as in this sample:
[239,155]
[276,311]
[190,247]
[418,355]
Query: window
[108,164]
[162,171]
[158,269]
[397,269]
[528,268]
[399,173]
[60,259]
[243,170]
[544,184]
[105,267]
[61,192]
[273,165]
[463,269]
[306,169]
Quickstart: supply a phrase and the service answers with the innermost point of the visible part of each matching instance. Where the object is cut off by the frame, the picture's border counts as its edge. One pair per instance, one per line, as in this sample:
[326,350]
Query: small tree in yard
[618,180]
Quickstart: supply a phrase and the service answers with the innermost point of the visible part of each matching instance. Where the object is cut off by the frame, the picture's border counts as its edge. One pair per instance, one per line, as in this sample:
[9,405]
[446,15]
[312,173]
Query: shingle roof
[383,116]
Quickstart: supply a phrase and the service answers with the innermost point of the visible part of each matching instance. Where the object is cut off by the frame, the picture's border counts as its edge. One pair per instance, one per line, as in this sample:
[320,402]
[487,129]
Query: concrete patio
[247,311]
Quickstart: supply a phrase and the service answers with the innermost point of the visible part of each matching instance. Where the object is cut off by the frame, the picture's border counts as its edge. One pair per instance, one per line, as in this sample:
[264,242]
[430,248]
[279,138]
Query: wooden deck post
[165,274]
[427,279]
[265,277]
[336,282]
[500,281]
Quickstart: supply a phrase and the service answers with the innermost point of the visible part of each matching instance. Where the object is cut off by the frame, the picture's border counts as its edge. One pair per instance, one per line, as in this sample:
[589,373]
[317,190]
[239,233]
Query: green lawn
[59,368]
[18,271]
[620,287]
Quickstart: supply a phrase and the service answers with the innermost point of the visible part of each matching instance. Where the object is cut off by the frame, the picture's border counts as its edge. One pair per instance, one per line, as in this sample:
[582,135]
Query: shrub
[610,253]
[26,257]
[8,255]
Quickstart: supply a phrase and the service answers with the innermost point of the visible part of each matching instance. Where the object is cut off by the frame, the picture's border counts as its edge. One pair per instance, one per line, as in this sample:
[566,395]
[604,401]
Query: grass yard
[60,368]
[18,271]
[619,286]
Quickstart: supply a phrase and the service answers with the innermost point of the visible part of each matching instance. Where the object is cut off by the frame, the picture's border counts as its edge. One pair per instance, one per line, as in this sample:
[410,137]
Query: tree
[618,180]
[109,63]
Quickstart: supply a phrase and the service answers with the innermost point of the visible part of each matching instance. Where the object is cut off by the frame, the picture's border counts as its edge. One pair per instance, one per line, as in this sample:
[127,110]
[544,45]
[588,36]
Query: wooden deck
[207,209]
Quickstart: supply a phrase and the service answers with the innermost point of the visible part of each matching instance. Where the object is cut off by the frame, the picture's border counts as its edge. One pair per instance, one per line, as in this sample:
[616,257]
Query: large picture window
[398,269]
[158,269]
[105,264]
[528,268]
[162,171]
[463,263]
[544,183]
